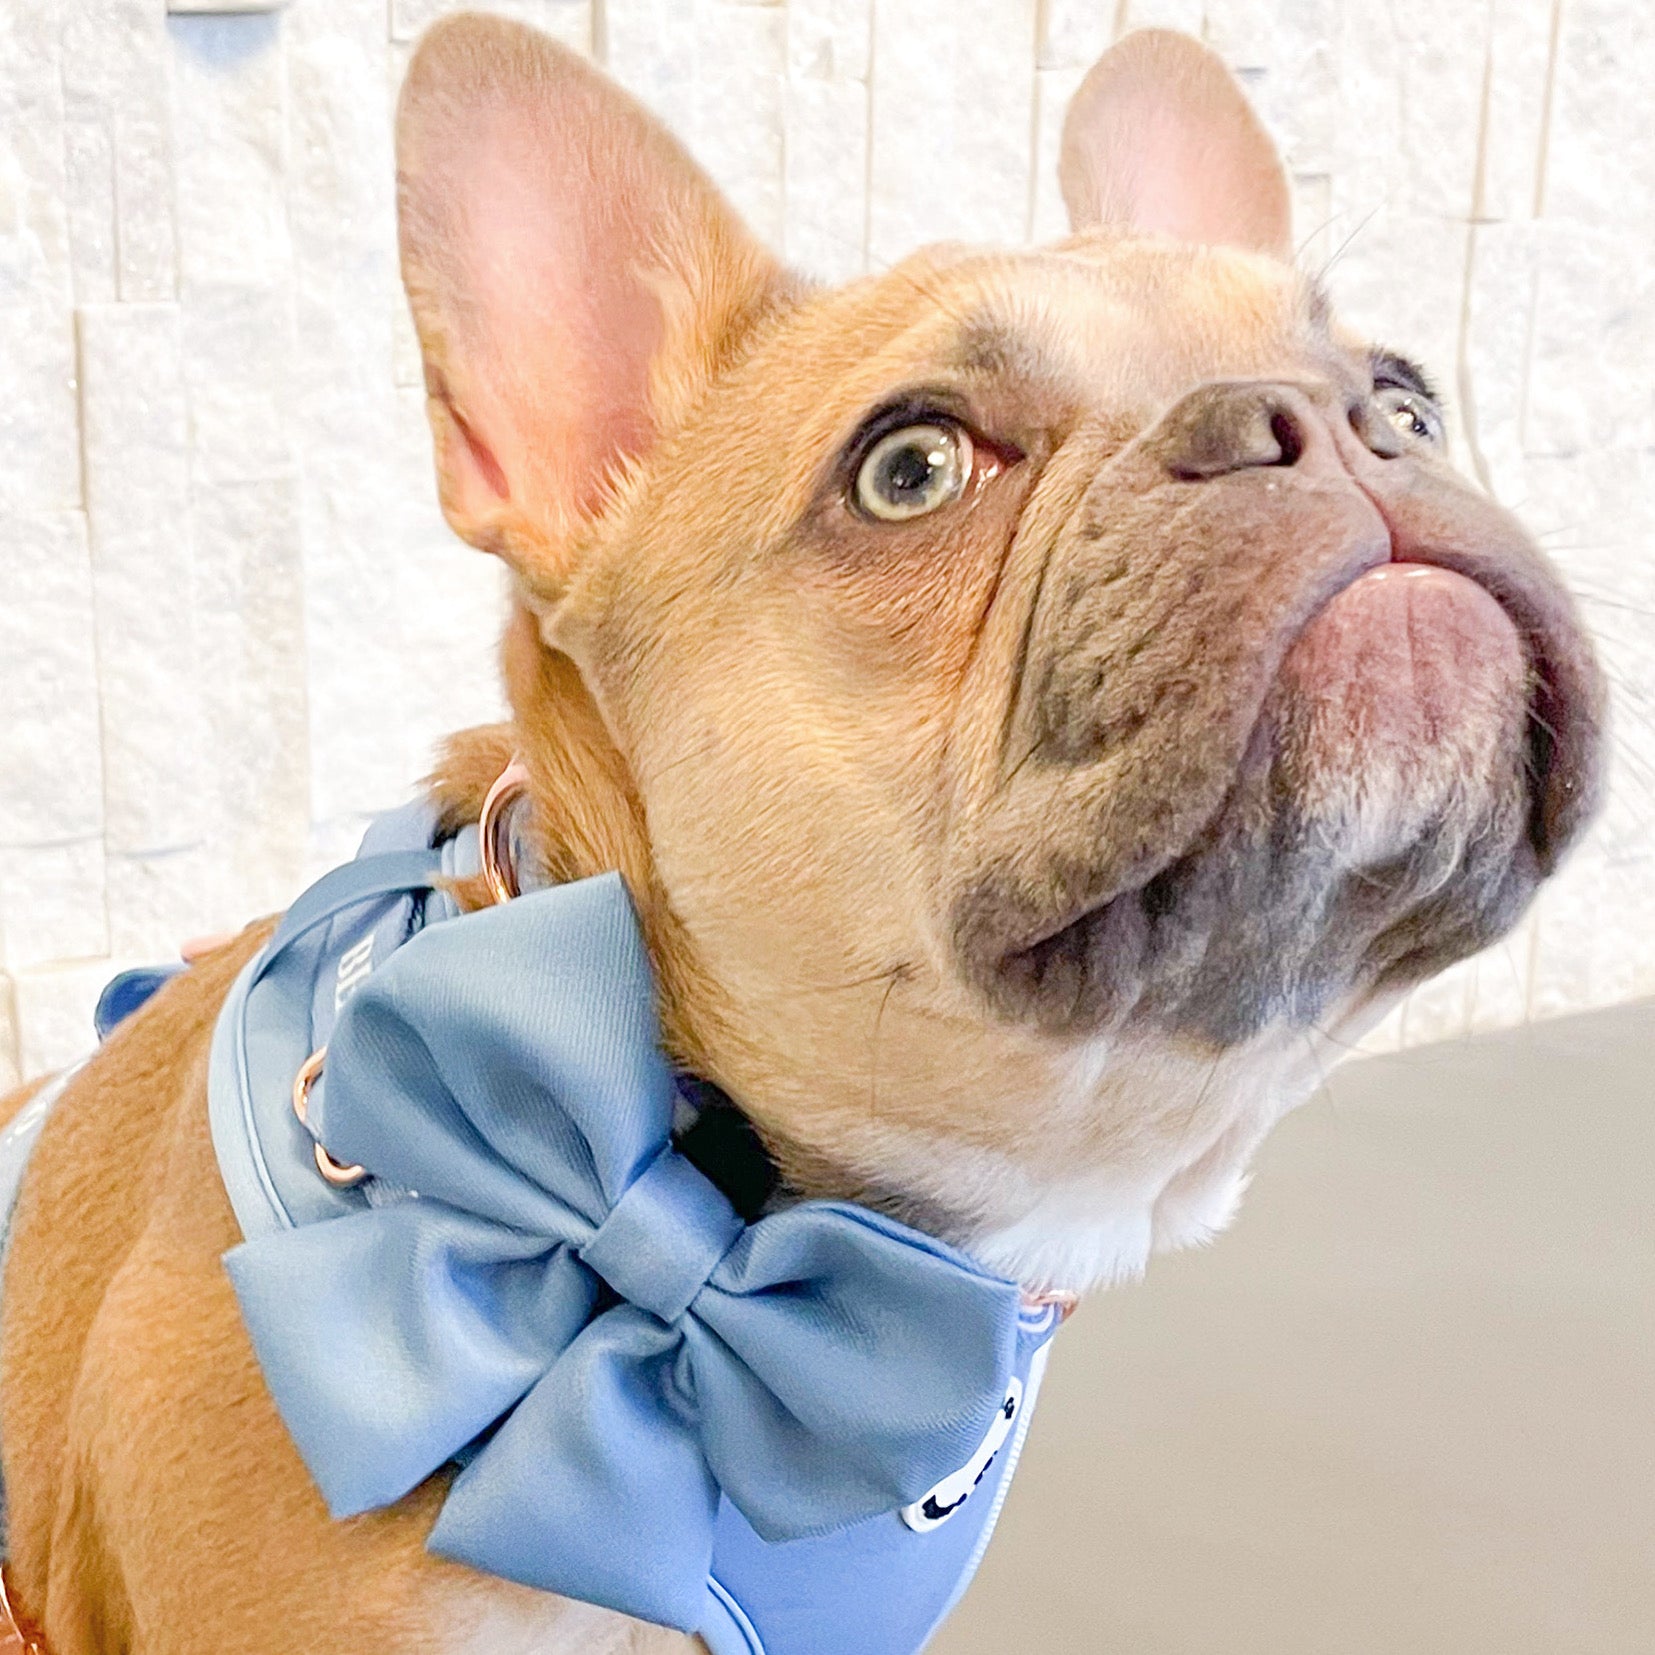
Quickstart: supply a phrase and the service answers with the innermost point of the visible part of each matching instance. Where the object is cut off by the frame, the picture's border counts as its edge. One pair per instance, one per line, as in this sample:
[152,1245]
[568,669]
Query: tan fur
[803,738]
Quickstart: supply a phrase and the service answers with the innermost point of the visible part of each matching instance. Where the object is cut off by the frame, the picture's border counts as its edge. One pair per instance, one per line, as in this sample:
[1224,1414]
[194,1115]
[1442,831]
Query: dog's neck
[589,819]
[1037,1210]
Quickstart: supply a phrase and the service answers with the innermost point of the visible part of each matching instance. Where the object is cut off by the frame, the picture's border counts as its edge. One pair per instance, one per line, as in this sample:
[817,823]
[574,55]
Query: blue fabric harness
[789,1432]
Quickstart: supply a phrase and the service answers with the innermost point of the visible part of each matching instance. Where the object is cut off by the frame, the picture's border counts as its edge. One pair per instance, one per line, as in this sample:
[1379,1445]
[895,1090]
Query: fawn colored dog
[1037,701]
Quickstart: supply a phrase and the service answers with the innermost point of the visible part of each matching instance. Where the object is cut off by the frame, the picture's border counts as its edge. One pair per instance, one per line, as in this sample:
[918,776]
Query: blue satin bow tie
[552,1295]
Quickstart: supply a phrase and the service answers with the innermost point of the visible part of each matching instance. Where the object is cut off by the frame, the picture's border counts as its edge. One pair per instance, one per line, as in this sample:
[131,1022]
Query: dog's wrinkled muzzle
[1343,670]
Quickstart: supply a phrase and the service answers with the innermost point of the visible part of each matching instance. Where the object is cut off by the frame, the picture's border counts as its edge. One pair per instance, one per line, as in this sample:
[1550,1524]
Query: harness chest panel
[878,1584]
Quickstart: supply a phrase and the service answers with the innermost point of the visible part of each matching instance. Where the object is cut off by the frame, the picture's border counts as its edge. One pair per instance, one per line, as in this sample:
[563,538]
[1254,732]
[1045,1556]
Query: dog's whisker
[700,751]
[1017,769]
[1323,1032]
[873,1044]
[1327,223]
[901,972]
[1349,241]
[1315,1056]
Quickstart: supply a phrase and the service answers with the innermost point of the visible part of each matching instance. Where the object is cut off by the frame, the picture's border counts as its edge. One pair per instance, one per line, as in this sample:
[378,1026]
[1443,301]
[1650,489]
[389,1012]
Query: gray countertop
[1405,1407]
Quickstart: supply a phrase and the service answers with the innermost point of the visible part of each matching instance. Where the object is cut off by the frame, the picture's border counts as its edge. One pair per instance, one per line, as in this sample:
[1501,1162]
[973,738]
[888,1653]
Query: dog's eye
[1412,414]
[912,471]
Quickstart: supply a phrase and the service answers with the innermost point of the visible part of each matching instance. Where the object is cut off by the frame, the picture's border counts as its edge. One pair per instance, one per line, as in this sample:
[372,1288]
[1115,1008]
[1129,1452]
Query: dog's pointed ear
[1161,137]
[574,278]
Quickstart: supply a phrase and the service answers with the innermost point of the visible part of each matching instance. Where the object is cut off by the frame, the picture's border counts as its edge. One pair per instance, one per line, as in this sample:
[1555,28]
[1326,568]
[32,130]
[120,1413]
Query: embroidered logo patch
[953,1492]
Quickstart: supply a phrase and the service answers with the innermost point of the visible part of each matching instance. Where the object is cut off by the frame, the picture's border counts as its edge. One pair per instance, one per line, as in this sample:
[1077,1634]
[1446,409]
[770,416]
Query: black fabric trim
[723,1146]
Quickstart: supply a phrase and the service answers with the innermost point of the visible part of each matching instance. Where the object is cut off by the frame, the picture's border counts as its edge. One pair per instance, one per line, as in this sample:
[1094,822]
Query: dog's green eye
[1410,413]
[912,471]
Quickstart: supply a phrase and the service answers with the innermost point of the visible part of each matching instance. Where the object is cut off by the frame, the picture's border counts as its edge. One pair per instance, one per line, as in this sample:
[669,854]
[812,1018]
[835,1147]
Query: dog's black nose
[1235,425]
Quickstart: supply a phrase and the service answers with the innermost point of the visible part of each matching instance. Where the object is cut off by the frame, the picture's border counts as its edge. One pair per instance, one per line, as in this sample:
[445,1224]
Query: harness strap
[377,901]
[254,1057]
[390,873]
[720,1141]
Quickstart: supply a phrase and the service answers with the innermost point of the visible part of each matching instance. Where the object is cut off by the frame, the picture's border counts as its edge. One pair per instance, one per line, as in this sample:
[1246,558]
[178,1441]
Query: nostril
[1235,426]
[1289,438]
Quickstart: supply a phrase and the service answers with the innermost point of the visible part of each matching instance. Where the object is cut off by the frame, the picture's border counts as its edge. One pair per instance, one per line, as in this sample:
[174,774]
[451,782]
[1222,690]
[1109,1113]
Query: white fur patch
[1087,1233]
[1175,1182]
[499,1618]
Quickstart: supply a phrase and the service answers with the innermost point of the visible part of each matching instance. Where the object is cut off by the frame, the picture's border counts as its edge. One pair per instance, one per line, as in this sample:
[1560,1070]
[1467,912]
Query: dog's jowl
[980,735]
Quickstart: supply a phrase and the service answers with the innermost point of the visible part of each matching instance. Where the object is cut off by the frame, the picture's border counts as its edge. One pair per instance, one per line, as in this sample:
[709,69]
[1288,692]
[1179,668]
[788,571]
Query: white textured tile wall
[232,622]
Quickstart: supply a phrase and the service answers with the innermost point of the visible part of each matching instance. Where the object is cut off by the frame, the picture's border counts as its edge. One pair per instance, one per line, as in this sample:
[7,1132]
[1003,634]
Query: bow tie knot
[664,1238]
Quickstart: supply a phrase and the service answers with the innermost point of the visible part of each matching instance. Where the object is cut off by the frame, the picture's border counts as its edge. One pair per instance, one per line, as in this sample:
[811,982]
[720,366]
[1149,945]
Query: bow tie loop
[664,1238]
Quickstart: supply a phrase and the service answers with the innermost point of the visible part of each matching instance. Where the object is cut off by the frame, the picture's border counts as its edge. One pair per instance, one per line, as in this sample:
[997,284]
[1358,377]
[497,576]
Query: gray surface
[1406,1406]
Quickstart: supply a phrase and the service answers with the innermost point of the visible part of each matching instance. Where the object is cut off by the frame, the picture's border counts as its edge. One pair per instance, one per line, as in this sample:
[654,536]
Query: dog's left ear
[1161,138]
[574,276]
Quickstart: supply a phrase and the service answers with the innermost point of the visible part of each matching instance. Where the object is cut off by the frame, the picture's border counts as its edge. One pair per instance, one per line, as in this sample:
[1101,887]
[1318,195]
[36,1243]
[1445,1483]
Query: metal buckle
[493,842]
[337,1173]
[1064,1301]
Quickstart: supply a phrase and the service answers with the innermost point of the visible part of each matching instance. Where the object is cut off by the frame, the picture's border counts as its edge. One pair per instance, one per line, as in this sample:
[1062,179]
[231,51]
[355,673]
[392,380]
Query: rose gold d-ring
[1063,1301]
[499,870]
[335,1172]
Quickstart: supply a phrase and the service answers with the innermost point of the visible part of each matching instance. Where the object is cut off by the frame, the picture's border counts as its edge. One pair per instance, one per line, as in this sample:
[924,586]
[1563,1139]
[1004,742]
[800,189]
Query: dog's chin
[1381,826]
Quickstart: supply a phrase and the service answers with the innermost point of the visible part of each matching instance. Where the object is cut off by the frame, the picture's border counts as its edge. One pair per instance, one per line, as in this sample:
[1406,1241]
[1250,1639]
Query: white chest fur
[494,1617]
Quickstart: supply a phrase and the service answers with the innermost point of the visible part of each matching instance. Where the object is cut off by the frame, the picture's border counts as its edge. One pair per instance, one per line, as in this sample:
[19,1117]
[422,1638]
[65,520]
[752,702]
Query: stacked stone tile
[231,620]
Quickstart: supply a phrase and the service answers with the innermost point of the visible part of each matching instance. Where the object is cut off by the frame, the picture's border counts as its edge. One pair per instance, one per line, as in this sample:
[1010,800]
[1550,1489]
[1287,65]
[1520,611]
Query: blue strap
[264,1034]
[388,874]
[129,992]
[344,888]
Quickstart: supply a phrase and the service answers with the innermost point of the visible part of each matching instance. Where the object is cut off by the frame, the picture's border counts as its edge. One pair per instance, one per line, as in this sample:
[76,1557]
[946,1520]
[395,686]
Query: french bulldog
[1041,703]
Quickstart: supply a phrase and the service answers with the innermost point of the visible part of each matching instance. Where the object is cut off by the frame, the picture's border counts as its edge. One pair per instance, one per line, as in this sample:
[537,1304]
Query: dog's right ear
[574,278]
[1160,137]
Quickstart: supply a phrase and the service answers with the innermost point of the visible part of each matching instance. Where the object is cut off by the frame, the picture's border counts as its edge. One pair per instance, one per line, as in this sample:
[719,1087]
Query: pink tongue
[1406,705]
[1411,651]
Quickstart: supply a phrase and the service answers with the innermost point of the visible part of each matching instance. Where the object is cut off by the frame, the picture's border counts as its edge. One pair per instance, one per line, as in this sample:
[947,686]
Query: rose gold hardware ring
[499,872]
[1064,1302]
[337,1173]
